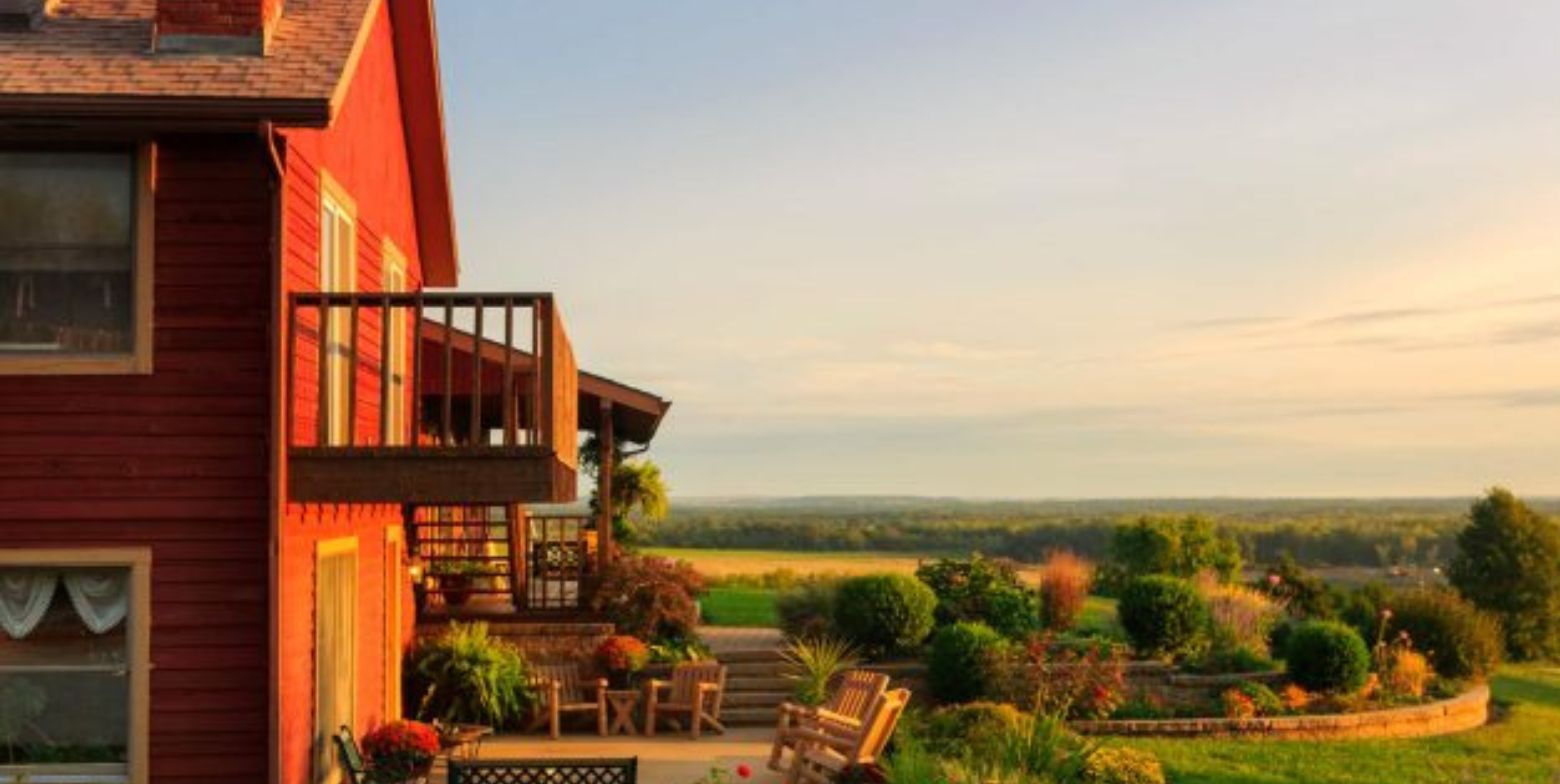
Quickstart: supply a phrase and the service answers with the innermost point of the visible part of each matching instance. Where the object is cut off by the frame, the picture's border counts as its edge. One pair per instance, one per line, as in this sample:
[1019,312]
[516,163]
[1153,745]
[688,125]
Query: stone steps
[755,686]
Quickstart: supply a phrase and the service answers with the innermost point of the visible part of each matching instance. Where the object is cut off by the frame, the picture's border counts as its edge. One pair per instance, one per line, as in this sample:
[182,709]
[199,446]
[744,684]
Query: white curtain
[24,599]
[101,596]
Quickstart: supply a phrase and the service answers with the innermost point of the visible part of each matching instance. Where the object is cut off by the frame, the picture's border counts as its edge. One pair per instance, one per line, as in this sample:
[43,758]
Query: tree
[1509,564]
[1180,547]
[638,492]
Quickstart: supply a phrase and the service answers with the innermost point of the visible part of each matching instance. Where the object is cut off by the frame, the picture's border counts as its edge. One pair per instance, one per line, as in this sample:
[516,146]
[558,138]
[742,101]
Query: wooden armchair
[847,707]
[697,689]
[822,753]
[353,769]
[564,690]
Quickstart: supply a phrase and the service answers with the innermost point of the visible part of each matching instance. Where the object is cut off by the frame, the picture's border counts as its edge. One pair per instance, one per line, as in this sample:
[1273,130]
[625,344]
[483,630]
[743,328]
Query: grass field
[739,606]
[1521,745]
[726,563]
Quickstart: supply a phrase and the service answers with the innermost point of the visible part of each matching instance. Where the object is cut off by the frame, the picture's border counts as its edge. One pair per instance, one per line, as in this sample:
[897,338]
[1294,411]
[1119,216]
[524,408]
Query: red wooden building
[238,426]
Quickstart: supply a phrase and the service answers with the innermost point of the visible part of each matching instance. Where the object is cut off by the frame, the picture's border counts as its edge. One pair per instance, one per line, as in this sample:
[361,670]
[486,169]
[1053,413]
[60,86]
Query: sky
[1036,249]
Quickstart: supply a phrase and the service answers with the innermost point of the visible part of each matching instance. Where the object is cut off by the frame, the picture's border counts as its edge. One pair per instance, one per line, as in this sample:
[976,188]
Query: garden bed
[1463,712]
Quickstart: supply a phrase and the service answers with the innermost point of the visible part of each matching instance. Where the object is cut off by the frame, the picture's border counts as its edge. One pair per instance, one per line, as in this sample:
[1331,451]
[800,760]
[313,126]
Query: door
[338,274]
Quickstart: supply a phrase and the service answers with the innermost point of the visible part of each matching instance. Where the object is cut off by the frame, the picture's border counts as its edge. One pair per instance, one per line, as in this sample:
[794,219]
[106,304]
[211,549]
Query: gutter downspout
[278,410]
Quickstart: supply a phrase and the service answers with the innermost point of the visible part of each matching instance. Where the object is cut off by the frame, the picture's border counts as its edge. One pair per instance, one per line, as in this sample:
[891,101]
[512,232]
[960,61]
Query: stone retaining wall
[543,641]
[1464,712]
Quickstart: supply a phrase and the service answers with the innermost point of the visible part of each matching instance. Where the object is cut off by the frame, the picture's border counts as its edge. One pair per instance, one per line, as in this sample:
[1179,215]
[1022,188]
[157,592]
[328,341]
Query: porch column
[605,456]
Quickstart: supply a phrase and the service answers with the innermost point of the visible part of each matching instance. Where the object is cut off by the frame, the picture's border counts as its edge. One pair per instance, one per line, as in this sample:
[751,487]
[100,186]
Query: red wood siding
[364,153]
[176,460]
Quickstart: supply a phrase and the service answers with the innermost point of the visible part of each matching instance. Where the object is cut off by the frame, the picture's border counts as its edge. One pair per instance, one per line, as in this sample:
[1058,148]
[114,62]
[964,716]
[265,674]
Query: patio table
[623,703]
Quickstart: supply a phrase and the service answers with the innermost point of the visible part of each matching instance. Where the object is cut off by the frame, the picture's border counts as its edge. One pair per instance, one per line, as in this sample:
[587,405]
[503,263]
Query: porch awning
[636,413]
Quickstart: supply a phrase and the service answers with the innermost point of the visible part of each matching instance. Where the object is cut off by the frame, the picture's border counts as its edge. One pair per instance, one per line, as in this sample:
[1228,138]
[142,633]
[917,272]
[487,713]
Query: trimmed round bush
[951,730]
[1162,616]
[884,613]
[959,666]
[1327,656]
[1460,640]
[1122,765]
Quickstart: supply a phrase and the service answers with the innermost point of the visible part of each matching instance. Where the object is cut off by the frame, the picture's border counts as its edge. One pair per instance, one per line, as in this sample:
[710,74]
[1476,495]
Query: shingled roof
[95,58]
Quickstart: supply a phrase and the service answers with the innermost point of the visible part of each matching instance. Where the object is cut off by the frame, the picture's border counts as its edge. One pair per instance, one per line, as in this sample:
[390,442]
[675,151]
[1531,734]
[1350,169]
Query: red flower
[743,771]
[621,653]
[401,749]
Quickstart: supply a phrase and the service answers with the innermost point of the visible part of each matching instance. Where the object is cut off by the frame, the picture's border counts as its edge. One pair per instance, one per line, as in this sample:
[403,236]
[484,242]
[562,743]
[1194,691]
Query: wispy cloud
[959,352]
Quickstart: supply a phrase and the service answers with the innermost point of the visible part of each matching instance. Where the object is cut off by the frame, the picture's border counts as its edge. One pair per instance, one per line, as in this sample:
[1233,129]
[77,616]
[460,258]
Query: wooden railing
[509,351]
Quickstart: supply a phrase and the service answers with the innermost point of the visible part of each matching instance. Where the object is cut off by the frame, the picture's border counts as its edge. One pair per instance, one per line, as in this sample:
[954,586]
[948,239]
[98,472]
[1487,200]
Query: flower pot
[456,589]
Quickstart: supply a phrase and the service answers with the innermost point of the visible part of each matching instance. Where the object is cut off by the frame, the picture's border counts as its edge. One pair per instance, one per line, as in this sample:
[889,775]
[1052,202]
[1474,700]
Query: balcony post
[606,454]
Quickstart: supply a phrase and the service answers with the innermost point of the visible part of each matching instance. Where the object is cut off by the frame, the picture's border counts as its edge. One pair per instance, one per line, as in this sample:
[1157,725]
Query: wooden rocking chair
[697,689]
[822,753]
[565,690]
[847,707]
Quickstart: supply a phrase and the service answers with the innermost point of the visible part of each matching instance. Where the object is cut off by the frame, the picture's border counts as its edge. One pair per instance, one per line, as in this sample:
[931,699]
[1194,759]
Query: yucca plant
[1040,748]
[813,663]
[468,676]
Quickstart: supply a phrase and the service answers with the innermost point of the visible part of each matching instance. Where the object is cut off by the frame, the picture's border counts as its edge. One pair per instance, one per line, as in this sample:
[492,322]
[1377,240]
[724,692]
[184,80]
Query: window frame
[398,430]
[336,204]
[326,764]
[138,628]
[138,361]
[395,584]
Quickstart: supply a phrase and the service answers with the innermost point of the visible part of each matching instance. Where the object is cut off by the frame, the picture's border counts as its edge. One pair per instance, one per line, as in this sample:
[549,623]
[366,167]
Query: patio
[669,758]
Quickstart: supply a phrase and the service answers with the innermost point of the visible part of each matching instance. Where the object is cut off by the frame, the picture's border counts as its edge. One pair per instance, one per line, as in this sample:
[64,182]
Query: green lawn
[1521,745]
[734,606]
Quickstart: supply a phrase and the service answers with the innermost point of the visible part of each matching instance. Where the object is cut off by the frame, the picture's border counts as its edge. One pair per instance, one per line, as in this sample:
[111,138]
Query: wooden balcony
[431,398]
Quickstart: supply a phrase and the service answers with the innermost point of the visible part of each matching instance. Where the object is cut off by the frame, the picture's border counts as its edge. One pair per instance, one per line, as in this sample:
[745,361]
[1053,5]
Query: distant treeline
[1316,532]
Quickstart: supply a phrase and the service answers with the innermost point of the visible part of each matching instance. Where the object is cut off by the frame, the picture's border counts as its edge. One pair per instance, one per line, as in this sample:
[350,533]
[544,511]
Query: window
[338,273]
[74,672]
[335,651]
[396,426]
[75,261]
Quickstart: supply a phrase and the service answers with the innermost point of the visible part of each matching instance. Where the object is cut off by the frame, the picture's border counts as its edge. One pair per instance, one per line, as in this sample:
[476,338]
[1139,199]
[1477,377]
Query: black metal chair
[545,771]
[351,759]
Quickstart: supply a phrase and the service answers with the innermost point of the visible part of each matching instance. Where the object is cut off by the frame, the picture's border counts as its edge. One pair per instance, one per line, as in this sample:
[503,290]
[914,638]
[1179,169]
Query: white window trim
[396,282]
[337,275]
[138,625]
[347,545]
[139,360]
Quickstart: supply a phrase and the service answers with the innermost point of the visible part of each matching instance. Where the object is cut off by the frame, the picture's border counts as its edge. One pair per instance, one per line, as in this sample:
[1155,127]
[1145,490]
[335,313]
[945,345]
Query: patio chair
[847,708]
[823,753]
[352,766]
[564,690]
[697,689]
[545,771]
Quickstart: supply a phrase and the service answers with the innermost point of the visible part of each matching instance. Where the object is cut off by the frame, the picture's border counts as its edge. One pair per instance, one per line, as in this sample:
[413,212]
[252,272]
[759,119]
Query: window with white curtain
[69,667]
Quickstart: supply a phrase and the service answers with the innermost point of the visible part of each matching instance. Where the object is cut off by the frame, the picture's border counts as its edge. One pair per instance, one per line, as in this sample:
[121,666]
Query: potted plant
[455,579]
[621,657]
[400,752]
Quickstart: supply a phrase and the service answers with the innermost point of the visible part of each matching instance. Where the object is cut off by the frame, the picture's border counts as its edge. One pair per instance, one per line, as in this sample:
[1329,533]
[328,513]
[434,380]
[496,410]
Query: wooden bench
[545,771]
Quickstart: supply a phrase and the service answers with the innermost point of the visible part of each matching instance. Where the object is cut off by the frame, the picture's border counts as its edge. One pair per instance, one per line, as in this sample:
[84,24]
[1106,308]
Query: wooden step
[758,683]
[748,717]
[749,656]
[755,699]
[753,669]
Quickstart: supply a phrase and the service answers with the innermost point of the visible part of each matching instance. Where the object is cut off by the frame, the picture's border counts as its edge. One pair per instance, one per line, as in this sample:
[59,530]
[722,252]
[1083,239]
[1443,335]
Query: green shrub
[884,613]
[1121,765]
[960,663]
[1162,616]
[1508,563]
[981,589]
[1460,641]
[467,676]
[807,609]
[976,726]
[1328,656]
[1266,701]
